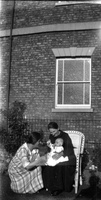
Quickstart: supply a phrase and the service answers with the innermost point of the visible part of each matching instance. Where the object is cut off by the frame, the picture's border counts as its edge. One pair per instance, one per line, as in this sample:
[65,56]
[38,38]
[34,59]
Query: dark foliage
[96,156]
[85,159]
[13,137]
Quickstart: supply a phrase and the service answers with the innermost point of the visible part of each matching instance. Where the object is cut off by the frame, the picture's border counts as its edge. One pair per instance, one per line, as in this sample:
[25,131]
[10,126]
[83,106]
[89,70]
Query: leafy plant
[17,127]
[96,157]
[85,159]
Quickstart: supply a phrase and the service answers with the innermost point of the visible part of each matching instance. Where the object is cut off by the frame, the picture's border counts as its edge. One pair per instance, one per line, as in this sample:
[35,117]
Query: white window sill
[72,110]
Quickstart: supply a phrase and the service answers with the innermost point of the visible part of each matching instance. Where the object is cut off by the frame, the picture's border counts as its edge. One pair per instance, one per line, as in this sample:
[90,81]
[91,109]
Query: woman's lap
[59,177]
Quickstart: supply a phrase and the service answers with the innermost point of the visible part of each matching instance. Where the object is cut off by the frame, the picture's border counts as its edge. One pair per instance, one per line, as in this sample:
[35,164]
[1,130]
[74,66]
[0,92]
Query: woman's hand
[40,161]
[34,157]
[48,143]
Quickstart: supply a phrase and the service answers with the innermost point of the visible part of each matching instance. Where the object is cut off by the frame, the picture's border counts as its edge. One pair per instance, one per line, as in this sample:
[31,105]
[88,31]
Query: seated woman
[60,177]
[24,172]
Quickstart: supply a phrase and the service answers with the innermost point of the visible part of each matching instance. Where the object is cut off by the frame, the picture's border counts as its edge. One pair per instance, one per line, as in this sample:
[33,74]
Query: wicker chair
[78,140]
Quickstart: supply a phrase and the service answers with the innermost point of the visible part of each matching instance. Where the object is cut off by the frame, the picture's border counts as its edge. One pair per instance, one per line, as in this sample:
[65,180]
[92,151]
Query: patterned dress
[23,180]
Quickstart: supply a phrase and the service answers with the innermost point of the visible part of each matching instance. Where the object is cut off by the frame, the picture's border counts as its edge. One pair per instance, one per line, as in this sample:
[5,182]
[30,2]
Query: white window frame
[70,106]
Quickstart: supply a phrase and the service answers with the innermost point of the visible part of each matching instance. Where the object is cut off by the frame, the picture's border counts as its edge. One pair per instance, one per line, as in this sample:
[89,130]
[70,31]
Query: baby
[57,147]
[48,159]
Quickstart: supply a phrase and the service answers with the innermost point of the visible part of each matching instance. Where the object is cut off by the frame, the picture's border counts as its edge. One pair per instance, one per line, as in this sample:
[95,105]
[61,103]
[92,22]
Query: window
[73,83]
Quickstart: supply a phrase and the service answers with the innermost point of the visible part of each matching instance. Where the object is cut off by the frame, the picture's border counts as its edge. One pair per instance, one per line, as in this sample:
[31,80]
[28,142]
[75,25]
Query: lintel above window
[73,52]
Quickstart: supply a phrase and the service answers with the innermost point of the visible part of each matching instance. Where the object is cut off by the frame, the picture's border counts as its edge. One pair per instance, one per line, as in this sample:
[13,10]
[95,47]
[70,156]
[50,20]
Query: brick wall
[29,13]
[4,63]
[33,70]
[33,62]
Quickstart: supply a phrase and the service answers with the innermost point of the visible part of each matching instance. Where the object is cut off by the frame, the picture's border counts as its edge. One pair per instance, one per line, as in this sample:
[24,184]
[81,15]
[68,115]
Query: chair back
[78,141]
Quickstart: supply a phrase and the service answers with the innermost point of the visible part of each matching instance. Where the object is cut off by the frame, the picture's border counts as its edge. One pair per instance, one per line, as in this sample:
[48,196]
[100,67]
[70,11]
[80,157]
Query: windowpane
[60,94]
[73,94]
[87,70]
[60,70]
[87,89]
[73,70]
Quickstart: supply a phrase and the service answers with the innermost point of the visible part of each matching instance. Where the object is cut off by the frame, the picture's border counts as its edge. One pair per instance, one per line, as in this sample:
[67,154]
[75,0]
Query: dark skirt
[59,177]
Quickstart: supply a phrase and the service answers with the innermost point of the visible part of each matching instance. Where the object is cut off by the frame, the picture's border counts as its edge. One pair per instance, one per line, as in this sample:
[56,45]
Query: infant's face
[58,143]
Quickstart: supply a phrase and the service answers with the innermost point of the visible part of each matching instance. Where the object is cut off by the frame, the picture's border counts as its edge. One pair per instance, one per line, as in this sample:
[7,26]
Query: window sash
[83,82]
